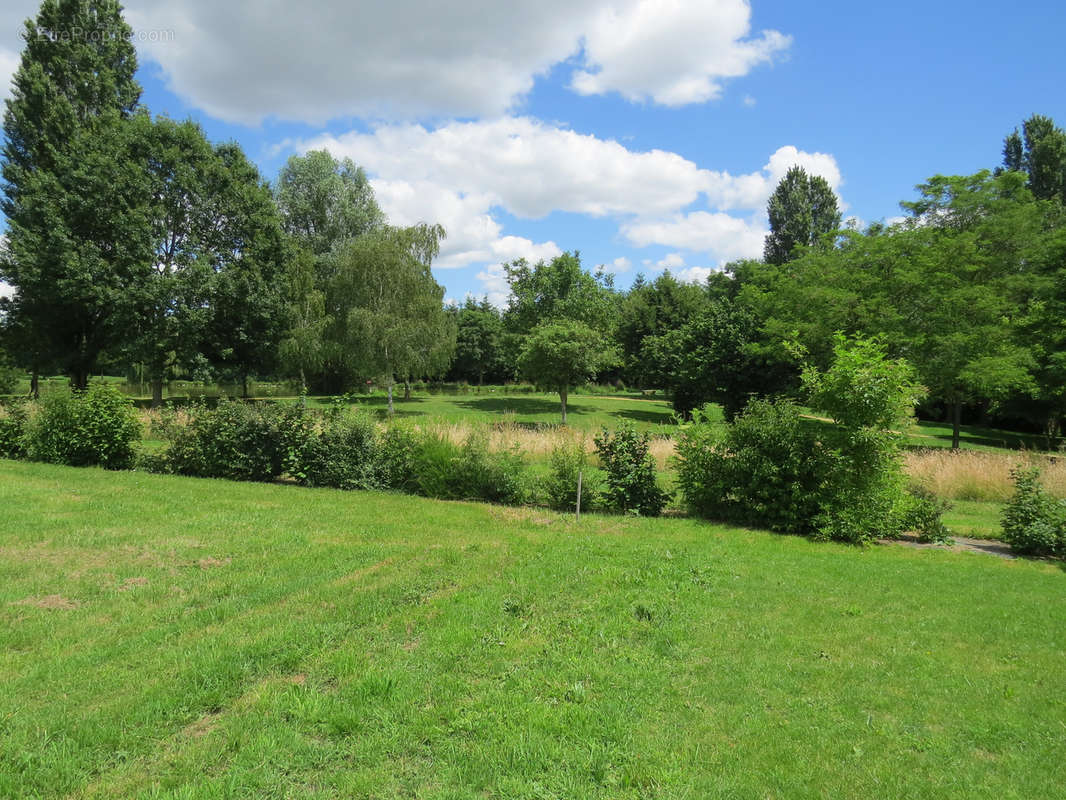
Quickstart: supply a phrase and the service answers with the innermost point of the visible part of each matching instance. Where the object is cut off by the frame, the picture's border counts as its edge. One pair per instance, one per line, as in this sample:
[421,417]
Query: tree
[180,163]
[1040,152]
[302,349]
[479,345]
[558,290]
[75,244]
[325,202]
[386,309]
[802,210]
[249,313]
[650,310]
[945,289]
[715,358]
[562,354]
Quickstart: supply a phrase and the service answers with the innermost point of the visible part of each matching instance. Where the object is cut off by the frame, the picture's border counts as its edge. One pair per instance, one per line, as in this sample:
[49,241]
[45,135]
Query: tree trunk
[157,392]
[406,390]
[562,397]
[244,385]
[956,418]
[35,385]
[390,398]
[79,380]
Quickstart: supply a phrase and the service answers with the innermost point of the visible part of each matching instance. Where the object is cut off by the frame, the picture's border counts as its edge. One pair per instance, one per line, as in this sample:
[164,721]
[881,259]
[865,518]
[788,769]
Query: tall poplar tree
[802,209]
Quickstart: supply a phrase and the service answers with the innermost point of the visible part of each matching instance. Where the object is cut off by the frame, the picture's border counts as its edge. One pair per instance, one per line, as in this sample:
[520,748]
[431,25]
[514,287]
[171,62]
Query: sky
[646,134]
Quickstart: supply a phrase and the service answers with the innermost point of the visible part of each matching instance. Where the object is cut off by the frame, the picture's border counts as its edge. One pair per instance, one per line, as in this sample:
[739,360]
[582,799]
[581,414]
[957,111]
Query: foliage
[386,308]
[1040,153]
[802,210]
[715,358]
[78,251]
[630,478]
[238,441]
[646,312]
[480,344]
[556,291]
[97,427]
[1034,523]
[560,355]
[924,515]
[559,486]
[344,453]
[765,468]
[9,375]
[870,398]
[448,471]
[399,459]
[325,202]
[769,469]
[13,419]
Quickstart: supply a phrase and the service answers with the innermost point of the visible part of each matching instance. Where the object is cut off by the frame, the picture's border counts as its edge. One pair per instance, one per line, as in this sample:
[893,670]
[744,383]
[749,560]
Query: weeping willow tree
[386,311]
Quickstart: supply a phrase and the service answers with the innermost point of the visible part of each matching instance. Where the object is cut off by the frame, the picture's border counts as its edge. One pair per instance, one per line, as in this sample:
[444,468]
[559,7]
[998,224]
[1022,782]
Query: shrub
[343,454]
[94,428]
[1033,522]
[9,375]
[494,477]
[239,441]
[924,516]
[560,485]
[630,472]
[768,467]
[434,464]
[763,469]
[398,457]
[447,471]
[13,420]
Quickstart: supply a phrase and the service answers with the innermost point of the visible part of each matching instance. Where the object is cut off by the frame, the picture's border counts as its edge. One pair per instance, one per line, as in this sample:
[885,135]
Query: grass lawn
[976,519]
[181,638]
[585,412]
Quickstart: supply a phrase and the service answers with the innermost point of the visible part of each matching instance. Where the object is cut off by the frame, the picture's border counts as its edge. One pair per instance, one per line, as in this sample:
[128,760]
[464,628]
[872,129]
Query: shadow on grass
[984,437]
[519,405]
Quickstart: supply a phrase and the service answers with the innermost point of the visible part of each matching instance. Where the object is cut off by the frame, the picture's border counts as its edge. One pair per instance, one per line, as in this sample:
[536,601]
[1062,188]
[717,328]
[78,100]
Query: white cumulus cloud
[671,52]
[694,274]
[241,62]
[464,174]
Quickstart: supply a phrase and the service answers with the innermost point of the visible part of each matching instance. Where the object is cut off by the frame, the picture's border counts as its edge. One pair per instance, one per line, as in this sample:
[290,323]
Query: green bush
[769,468]
[239,441]
[447,471]
[630,472]
[94,428]
[398,459]
[1034,523]
[13,419]
[559,487]
[924,516]
[343,454]
[764,469]
[9,375]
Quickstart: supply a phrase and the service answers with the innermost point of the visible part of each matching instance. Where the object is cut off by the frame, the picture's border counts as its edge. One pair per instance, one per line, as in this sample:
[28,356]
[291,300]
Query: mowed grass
[492,405]
[181,638]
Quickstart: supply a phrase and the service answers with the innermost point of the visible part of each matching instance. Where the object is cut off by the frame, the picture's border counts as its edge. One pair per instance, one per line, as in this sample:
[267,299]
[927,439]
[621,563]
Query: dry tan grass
[973,475]
[536,443]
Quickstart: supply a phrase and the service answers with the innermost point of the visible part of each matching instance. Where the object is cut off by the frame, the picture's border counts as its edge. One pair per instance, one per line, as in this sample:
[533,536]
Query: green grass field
[585,411]
[181,638]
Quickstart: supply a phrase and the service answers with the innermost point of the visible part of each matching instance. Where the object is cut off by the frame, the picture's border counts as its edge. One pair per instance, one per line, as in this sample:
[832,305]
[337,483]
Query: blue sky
[644,133]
